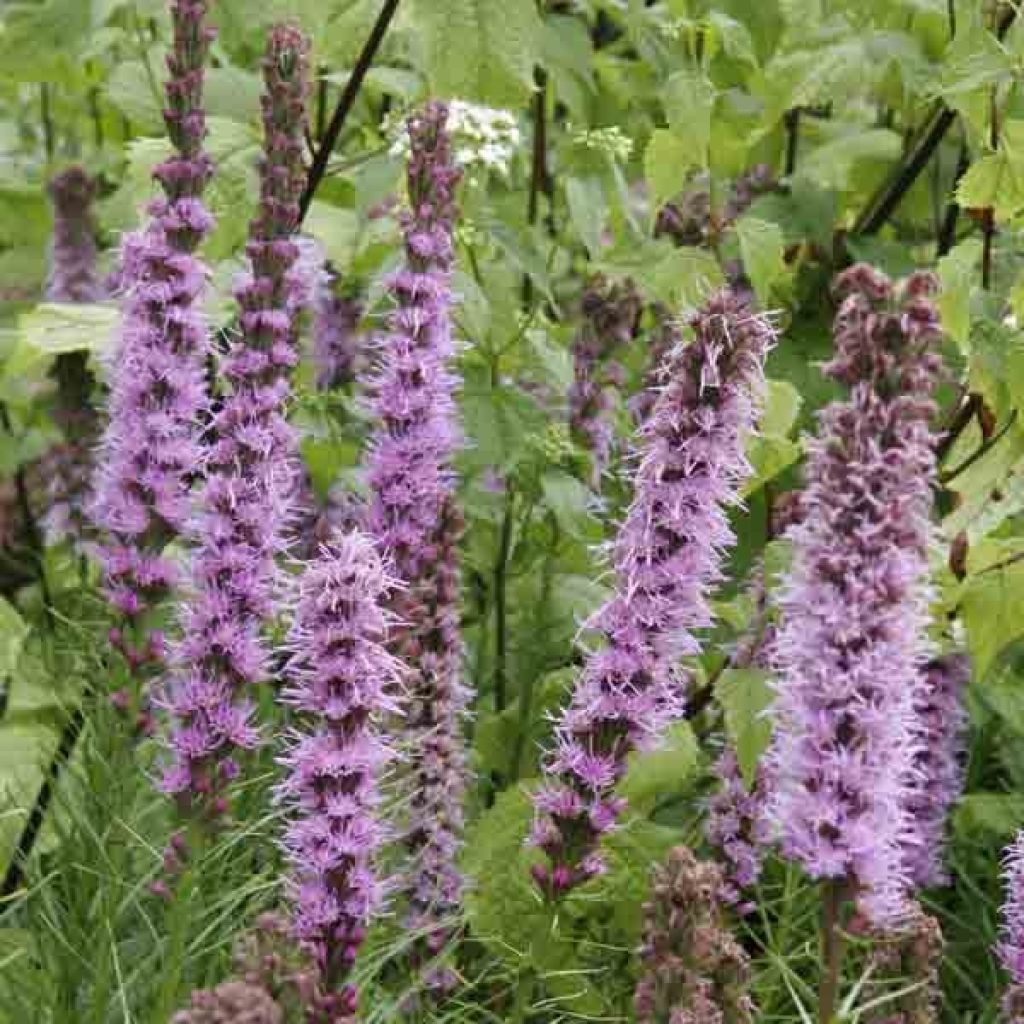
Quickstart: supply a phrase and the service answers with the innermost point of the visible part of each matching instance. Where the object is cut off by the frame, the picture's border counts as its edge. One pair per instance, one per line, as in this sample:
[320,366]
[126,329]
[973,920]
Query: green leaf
[832,165]
[761,248]
[570,500]
[782,404]
[588,209]
[653,774]
[990,607]
[689,98]
[956,273]
[481,50]
[335,228]
[13,630]
[745,696]
[665,163]
[996,181]
[55,327]
[26,748]
[998,814]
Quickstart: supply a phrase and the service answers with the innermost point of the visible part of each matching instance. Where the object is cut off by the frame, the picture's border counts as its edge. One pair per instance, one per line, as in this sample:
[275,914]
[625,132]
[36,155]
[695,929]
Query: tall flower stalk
[667,557]
[250,466]
[852,641]
[1011,942]
[150,448]
[342,682]
[412,515]
[72,278]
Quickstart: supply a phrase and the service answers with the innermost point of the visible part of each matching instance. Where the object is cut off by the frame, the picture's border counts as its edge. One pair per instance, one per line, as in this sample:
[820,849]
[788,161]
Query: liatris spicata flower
[232,1002]
[72,275]
[736,827]
[665,336]
[68,465]
[251,466]
[342,682]
[940,720]
[694,970]
[909,962]
[610,315]
[667,557]
[150,449]
[855,608]
[412,516]
[335,335]
[1011,943]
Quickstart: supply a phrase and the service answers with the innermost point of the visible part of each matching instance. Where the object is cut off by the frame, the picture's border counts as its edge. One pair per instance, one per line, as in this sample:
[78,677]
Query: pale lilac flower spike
[342,683]
[413,516]
[852,641]
[150,449]
[1011,944]
[667,558]
[251,467]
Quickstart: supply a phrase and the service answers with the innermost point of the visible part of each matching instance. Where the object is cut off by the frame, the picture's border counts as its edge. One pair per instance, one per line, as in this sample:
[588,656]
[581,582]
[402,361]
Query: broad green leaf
[26,747]
[990,608]
[666,161]
[998,814]
[654,774]
[55,327]
[588,209]
[13,630]
[570,500]
[481,50]
[745,696]
[832,164]
[781,408]
[957,275]
[335,228]
[689,98]
[761,247]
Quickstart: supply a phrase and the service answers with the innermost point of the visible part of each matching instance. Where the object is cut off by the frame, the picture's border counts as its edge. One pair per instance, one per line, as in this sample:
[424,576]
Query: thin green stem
[832,948]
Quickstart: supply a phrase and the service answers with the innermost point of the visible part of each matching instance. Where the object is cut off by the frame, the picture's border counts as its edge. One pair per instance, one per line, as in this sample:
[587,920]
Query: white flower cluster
[483,138]
[611,141]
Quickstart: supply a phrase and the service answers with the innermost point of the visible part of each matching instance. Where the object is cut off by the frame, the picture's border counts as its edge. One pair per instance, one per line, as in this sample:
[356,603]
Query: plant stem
[538,163]
[833,897]
[792,140]
[500,607]
[49,142]
[345,103]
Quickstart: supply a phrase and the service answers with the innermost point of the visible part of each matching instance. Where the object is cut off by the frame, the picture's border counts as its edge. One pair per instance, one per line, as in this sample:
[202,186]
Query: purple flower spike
[150,449]
[1011,943]
[941,722]
[68,466]
[336,340]
[852,642]
[251,466]
[412,515]
[667,558]
[342,682]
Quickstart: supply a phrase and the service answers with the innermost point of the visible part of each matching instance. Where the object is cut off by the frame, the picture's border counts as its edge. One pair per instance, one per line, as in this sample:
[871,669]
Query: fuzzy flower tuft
[852,641]
[667,557]
[610,315]
[336,341]
[1011,943]
[693,969]
[150,449]
[342,682]
[251,465]
[941,723]
[232,1002]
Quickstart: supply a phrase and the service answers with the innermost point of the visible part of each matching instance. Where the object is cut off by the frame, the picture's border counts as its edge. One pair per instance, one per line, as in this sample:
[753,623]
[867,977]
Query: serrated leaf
[990,608]
[745,696]
[689,99]
[335,228]
[666,160]
[782,404]
[653,774]
[570,500]
[588,209]
[957,274]
[55,327]
[481,50]
[762,247]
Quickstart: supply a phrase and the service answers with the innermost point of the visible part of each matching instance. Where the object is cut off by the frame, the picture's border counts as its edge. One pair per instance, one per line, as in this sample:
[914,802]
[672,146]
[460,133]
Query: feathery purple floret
[72,278]
[251,464]
[150,449]
[342,682]
[736,827]
[1011,943]
[667,557]
[940,720]
[412,515]
[853,640]
[336,347]
[610,315]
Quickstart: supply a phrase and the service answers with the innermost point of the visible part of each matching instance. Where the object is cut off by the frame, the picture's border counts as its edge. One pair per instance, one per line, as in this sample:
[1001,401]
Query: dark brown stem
[792,121]
[539,183]
[947,233]
[45,113]
[345,103]
[833,896]
[987,445]
[957,425]
[988,223]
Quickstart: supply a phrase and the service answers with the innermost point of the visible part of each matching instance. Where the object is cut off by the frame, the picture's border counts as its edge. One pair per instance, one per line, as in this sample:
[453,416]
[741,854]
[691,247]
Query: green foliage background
[837,96]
